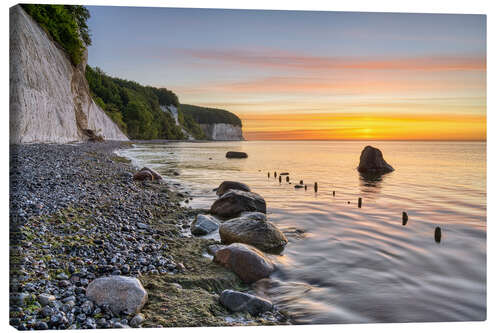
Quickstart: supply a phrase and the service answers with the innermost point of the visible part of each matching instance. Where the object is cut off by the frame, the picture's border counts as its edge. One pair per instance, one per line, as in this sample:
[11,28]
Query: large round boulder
[121,293]
[234,202]
[230,185]
[371,161]
[143,175]
[253,229]
[156,175]
[245,261]
[242,302]
[204,224]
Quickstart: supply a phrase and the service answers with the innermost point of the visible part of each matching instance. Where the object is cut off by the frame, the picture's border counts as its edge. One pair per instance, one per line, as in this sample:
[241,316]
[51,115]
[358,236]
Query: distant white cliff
[49,98]
[222,132]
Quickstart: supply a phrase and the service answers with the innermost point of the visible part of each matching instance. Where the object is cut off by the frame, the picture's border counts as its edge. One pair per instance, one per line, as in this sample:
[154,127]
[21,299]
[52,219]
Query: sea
[350,264]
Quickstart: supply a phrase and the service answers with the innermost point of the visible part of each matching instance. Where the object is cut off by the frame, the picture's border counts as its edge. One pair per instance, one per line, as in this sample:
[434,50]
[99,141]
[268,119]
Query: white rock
[222,132]
[121,293]
[49,97]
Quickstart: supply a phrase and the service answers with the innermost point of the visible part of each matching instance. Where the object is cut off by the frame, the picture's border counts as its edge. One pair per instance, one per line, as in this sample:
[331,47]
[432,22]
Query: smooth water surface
[354,265]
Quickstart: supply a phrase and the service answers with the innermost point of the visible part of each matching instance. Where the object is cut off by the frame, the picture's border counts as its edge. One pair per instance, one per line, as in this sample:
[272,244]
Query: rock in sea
[242,302]
[236,154]
[230,185]
[245,261]
[234,202]
[120,293]
[253,229]
[371,161]
[204,224]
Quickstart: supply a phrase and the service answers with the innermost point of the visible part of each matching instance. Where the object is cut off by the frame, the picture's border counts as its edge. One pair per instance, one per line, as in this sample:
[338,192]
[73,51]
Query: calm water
[358,265]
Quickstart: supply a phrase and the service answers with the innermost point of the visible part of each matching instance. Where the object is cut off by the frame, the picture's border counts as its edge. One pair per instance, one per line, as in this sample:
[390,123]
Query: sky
[300,75]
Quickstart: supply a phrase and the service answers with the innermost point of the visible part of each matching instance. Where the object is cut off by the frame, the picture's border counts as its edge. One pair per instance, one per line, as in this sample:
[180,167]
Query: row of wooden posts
[437,230]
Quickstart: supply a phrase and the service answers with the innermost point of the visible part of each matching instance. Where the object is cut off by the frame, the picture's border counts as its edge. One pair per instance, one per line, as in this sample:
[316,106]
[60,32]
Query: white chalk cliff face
[222,132]
[49,98]
[172,109]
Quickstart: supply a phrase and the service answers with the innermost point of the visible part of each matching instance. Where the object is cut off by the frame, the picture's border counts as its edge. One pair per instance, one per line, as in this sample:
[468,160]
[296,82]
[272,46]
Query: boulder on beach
[204,224]
[234,202]
[371,161]
[230,185]
[156,175]
[242,302]
[253,229]
[236,154]
[143,175]
[121,293]
[246,261]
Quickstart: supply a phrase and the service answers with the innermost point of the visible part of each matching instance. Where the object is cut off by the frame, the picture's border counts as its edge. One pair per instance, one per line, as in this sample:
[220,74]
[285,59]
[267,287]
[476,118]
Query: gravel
[76,215]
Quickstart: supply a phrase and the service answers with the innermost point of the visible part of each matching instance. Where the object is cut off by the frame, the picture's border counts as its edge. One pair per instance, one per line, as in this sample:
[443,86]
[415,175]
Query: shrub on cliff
[135,108]
[66,24]
[203,115]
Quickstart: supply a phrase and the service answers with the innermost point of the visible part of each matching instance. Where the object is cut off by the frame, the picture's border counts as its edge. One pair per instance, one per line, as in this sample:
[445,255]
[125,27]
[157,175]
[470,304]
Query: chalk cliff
[222,132]
[49,98]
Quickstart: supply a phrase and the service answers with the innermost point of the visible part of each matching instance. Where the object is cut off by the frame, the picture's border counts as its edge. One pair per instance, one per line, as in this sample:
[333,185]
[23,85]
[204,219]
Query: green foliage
[66,24]
[203,115]
[133,107]
[191,126]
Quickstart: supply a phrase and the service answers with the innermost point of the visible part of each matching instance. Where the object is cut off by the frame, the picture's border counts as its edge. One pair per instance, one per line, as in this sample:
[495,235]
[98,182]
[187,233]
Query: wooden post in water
[287,179]
[280,179]
[268,175]
[315,187]
[333,193]
[405,218]
[360,201]
[437,234]
[275,174]
[305,187]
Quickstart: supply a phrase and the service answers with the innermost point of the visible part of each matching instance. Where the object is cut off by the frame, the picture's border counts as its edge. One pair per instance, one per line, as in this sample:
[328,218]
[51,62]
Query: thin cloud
[281,59]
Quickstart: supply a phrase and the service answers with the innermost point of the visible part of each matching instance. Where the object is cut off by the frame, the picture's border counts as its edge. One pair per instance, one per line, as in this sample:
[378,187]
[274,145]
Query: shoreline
[76,215]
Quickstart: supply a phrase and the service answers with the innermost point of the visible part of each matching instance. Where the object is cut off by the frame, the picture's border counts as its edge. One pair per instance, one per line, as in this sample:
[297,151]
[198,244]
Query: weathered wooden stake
[315,187]
[333,193]
[305,187]
[437,235]
[280,179]
[275,174]
[268,175]
[360,201]
[405,218]
[287,179]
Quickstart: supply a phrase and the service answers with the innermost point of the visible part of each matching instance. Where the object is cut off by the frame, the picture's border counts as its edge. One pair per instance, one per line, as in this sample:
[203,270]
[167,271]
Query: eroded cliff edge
[49,98]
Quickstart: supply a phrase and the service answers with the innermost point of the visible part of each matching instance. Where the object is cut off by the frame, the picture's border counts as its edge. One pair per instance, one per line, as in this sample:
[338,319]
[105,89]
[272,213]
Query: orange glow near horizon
[336,126]
[358,98]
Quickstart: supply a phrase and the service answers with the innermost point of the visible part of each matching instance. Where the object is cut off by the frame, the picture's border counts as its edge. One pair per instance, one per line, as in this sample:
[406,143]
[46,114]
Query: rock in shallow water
[245,261]
[253,229]
[242,302]
[121,293]
[204,224]
[231,185]
[236,154]
[372,161]
[234,202]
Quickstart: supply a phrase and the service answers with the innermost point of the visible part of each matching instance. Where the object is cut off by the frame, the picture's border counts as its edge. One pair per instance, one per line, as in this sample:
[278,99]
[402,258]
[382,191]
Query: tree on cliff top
[66,24]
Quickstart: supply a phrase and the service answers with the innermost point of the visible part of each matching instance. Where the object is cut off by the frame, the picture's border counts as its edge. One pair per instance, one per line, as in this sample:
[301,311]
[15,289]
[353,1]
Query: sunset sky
[308,75]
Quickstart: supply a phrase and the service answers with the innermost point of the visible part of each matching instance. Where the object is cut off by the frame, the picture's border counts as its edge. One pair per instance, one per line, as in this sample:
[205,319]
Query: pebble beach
[77,215]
